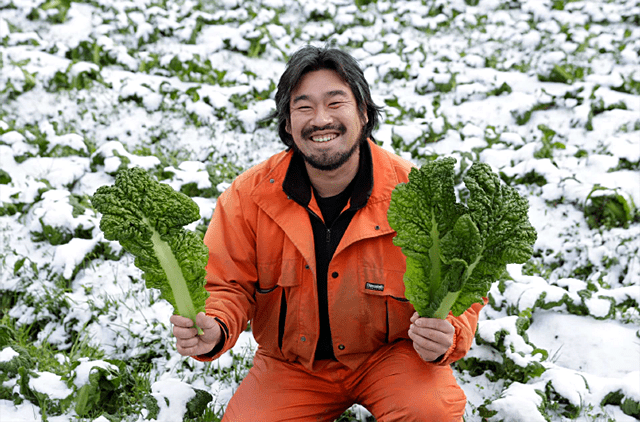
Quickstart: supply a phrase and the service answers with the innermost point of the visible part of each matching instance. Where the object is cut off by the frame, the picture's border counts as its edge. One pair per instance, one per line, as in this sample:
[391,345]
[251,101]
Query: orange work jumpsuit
[262,269]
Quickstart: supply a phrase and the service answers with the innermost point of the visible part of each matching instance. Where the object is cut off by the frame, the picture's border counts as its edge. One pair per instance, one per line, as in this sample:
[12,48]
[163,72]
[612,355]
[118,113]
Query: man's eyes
[333,104]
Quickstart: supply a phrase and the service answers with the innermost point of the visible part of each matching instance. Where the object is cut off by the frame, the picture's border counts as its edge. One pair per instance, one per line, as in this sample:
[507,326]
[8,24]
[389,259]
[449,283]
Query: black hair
[309,59]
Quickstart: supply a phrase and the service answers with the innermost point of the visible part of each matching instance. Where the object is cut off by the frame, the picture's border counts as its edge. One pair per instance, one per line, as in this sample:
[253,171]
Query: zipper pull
[328,236]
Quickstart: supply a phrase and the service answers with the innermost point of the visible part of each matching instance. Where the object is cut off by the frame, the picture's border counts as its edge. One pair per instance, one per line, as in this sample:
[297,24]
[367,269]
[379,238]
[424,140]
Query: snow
[172,396]
[520,402]
[50,384]
[7,354]
[23,412]
[572,310]
[586,345]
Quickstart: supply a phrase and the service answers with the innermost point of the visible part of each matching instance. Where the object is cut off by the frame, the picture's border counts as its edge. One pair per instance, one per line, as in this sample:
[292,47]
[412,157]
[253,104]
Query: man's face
[325,123]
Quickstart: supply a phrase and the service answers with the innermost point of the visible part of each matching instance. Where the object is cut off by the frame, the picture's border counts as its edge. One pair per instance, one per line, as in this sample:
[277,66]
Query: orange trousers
[394,384]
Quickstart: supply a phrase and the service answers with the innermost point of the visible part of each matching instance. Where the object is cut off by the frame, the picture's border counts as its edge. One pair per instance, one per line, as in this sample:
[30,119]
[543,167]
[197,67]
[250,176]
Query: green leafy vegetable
[607,208]
[455,251]
[147,218]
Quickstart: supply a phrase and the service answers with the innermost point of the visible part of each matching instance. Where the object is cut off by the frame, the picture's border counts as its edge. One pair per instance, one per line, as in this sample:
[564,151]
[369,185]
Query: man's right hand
[189,342]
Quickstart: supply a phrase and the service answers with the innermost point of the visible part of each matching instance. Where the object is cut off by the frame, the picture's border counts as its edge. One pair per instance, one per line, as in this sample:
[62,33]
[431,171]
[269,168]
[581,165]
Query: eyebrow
[330,94]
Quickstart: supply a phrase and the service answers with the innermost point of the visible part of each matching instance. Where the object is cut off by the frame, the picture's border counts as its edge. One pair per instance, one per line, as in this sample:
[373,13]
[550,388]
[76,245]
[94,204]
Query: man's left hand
[431,337]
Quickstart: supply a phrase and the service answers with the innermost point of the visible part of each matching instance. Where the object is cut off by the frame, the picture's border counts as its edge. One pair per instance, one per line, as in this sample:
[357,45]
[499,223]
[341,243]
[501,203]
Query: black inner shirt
[327,237]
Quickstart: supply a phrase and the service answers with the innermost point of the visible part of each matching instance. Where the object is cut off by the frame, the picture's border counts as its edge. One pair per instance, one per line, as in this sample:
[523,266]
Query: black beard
[323,163]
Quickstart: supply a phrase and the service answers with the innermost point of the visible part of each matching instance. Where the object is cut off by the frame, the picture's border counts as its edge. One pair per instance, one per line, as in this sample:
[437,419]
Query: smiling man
[300,246]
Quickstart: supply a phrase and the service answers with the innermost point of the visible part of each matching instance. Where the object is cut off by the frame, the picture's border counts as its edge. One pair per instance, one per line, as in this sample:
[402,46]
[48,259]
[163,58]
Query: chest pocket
[376,296]
[276,295]
[383,291]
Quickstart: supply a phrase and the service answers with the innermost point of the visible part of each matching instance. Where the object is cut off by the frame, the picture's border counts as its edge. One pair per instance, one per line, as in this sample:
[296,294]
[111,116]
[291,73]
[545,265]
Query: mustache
[307,132]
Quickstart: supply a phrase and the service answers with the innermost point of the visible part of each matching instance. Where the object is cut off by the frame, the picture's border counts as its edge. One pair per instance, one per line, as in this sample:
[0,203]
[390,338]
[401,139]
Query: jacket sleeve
[465,329]
[231,269]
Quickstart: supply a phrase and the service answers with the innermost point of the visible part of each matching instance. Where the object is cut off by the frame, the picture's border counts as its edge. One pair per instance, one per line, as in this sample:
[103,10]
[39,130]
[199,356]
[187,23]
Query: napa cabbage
[455,251]
[147,218]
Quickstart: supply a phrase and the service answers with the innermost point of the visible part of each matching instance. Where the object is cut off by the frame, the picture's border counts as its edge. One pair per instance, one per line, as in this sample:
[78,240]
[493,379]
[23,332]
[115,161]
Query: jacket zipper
[328,229]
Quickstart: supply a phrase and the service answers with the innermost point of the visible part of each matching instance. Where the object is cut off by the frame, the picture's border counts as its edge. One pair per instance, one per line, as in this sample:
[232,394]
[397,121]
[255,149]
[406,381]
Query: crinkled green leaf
[147,218]
[456,251]
[421,220]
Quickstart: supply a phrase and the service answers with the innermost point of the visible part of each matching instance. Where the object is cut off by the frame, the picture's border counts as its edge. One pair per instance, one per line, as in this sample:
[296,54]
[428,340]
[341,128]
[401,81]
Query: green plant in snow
[560,4]
[364,3]
[147,218]
[502,89]
[566,74]
[110,389]
[559,404]
[598,107]
[27,83]
[530,178]
[99,159]
[546,151]
[68,79]
[606,208]
[92,52]
[522,117]
[55,11]
[455,251]
[5,178]
[630,85]
[438,86]
[504,367]
[624,164]
[196,406]
[628,405]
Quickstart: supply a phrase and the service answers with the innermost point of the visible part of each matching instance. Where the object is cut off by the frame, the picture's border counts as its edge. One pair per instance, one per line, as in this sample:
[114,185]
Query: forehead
[320,83]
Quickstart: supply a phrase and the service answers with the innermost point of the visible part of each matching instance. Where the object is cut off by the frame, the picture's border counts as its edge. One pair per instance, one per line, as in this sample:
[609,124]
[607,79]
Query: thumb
[209,326]
[204,321]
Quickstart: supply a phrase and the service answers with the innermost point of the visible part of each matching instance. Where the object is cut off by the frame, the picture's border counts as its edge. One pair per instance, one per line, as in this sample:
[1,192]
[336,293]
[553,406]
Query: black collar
[298,186]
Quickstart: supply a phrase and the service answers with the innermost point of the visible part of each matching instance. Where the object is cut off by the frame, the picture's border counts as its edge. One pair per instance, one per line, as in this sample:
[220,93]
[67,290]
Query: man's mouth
[324,138]
[324,134]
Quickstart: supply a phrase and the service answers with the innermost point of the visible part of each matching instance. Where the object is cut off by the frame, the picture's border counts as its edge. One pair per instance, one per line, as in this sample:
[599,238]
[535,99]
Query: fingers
[431,337]
[188,349]
[188,342]
[181,321]
[193,345]
[436,324]
[428,349]
[427,354]
[183,327]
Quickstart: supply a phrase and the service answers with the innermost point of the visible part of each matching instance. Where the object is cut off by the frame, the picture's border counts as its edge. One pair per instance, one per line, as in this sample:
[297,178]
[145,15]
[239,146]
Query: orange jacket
[261,247]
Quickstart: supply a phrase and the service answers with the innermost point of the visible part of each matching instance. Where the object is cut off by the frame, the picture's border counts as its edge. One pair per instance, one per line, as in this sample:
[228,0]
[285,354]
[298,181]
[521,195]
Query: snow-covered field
[545,91]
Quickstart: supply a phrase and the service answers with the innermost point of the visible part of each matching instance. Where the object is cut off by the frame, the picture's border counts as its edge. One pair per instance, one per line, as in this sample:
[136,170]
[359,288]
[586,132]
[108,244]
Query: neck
[331,182]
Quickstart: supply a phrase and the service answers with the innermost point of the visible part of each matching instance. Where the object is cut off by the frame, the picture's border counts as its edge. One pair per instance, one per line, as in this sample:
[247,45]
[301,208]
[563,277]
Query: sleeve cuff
[221,343]
[444,359]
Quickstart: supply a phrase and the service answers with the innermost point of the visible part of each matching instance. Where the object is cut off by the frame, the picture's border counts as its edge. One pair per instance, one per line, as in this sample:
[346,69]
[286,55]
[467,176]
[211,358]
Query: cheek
[295,124]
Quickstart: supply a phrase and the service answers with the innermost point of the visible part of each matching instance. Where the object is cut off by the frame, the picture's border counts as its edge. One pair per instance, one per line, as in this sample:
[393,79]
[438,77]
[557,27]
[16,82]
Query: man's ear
[287,126]
[364,116]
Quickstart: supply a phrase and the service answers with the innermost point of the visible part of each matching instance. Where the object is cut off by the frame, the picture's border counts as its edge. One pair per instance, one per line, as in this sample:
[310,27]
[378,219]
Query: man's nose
[321,117]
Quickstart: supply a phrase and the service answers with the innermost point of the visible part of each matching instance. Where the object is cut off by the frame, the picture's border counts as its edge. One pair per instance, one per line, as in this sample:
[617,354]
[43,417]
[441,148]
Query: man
[300,246]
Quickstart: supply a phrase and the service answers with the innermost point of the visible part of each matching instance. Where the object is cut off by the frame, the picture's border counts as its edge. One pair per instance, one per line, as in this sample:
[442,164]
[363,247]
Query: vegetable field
[546,92]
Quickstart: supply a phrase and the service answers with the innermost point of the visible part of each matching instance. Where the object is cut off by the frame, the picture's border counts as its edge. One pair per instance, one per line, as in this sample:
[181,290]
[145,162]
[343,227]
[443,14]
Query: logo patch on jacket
[373,286]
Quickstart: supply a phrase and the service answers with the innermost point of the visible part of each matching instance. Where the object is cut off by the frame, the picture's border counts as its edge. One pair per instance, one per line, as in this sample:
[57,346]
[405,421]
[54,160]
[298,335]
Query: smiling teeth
[324,138]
